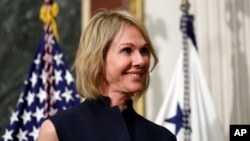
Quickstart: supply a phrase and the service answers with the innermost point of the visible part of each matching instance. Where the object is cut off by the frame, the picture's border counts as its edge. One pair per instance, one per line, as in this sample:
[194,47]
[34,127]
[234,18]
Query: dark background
[20,33]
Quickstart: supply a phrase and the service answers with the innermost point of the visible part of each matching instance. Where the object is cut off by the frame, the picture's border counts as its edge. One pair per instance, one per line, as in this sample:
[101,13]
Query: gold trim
[184,1]
[136,7]
[86,12]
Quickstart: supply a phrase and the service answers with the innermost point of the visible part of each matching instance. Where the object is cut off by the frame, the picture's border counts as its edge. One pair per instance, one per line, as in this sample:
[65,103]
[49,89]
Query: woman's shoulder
[47,132]
[86,109]
[71,112]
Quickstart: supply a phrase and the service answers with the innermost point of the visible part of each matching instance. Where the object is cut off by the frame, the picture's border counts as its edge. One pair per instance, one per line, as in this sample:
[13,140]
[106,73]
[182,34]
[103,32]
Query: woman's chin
[135,88]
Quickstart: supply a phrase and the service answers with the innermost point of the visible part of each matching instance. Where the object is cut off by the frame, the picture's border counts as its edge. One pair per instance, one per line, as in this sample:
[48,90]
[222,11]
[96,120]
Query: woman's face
[127,62]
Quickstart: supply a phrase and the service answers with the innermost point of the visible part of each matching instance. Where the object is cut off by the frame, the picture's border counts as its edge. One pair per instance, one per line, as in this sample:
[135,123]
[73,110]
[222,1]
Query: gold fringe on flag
[48,14]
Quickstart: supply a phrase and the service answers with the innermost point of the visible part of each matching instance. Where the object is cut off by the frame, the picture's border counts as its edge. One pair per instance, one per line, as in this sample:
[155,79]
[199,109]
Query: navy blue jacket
[97,121]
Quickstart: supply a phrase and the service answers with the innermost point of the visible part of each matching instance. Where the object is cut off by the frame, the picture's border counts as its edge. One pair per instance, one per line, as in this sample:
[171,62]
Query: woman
[112,66]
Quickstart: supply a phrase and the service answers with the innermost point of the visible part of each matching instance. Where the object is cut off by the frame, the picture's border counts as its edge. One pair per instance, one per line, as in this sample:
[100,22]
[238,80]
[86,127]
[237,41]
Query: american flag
[48,88]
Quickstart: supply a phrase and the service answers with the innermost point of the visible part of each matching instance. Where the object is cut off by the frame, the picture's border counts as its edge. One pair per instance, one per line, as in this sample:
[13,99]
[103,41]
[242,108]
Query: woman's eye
[145,51]
[127,50]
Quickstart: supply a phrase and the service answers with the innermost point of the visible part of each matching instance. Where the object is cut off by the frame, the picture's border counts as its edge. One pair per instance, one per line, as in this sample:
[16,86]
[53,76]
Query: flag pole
[48,12]
[186,95]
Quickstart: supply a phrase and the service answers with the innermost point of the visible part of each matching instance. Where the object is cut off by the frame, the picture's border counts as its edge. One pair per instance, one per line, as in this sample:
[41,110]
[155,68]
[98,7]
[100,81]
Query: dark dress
[96,121]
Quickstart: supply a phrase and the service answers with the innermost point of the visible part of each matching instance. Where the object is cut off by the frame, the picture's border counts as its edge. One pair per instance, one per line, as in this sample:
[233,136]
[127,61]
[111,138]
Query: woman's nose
[140,59]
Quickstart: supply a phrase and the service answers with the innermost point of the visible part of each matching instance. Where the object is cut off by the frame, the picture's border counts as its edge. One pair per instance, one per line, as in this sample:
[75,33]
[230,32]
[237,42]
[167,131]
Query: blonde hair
[93,47]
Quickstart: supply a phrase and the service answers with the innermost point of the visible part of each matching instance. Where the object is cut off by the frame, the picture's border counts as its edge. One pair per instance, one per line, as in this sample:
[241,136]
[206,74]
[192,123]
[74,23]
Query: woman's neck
[117,99]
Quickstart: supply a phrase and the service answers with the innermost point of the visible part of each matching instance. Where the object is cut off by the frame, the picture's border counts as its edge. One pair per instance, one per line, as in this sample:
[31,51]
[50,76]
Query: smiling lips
[137,74]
